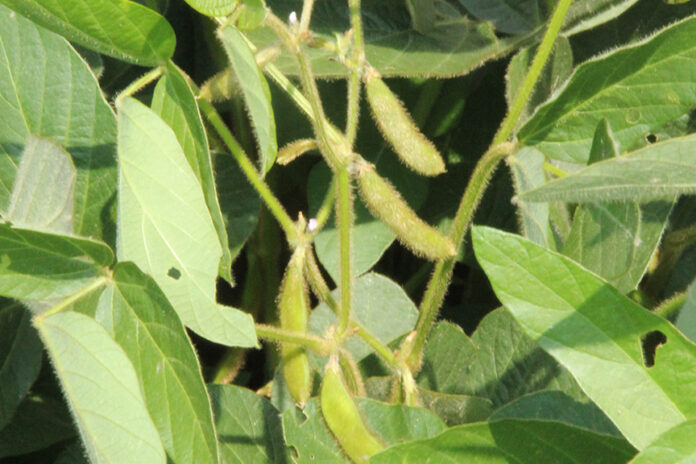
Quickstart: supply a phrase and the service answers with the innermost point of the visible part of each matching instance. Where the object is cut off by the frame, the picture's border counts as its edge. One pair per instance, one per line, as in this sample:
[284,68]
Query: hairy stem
[356,69]
[530,80]
[437,287]
[250,171]
[138,84]
[344,207]
[309,341]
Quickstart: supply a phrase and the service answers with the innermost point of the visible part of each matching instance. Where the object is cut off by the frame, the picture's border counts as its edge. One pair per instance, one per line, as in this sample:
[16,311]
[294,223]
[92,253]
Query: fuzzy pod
[223,86]
[294,150]
[414,149]
[293,303]
[343,418]
[387,204]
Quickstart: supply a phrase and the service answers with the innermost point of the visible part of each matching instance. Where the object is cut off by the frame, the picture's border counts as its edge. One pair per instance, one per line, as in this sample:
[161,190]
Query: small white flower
[312,225]
[293,18]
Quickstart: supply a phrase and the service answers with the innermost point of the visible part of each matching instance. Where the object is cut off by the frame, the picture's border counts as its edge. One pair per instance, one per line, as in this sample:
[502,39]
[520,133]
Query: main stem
[500,148]
[357,63]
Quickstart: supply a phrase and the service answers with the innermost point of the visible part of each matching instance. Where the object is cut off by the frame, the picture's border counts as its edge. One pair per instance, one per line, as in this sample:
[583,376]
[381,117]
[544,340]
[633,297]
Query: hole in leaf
[174,273]
[650,342]
[651,138]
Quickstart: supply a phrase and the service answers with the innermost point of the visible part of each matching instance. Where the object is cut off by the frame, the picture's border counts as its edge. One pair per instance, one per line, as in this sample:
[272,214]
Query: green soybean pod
[387,204]
[294,314]
[343,418]
[414,149]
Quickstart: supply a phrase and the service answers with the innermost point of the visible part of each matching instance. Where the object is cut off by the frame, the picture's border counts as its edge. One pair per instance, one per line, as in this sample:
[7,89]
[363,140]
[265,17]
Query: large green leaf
[249,428]
[676,446]
[166,229]
[20,357]
[42,195]
[655,172]
[379,305]
[392,45]
[39,266]
[38,423]
[119,28]
[102,389]
[513,442]
[592,329]
[617,240]
[620,86]
[498,362]
[138,316]
[174,102]
[256,93]
[73,114]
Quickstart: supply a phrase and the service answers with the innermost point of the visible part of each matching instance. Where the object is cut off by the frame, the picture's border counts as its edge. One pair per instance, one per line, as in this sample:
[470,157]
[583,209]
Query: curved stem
[138,84]
[437,287]
[250,171]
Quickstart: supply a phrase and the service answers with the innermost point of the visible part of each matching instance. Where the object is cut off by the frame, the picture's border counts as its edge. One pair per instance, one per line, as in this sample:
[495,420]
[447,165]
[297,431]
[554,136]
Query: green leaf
[38,266]
[20,357]
[102,389]
[675,446]
[655,172]
[249,428]
[392,45]
[42,196]
[513,442]
[213,7]
[617,240]
[165,227]
[119,28]
[499,362]
[591,328]
[140,319]
[306,432]
[256,93]
[38,423]
[73,114]
[373,235]
[557,406]
[379,305]
[174,102]
[397,423]
[620,86]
